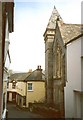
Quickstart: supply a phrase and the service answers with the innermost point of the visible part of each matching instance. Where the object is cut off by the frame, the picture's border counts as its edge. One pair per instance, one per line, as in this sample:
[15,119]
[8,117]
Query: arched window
[58,60]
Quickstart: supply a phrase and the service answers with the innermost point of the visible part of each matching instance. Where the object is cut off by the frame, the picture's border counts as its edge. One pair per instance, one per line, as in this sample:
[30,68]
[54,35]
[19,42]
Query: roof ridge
[30,74]
[72,24]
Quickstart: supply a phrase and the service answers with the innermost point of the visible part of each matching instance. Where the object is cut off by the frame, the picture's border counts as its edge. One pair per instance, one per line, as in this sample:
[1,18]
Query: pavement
[15,112]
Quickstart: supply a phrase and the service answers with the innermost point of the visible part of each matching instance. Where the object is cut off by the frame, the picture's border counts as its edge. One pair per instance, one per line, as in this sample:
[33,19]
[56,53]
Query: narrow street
[14,112]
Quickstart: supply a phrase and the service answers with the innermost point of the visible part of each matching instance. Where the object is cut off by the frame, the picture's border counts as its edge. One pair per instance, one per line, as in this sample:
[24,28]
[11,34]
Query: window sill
[30,90]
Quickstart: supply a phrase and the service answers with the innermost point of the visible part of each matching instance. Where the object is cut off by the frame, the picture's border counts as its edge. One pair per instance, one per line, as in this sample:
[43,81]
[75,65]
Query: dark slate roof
[69,31]
[36,75]
[19,76]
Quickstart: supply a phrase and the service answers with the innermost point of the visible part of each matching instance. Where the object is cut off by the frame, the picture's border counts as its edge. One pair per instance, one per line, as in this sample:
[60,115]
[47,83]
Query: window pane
[29,86]
[13,85]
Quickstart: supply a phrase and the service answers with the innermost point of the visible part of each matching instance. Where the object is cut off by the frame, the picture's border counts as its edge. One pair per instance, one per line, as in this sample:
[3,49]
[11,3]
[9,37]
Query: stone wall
[49,69]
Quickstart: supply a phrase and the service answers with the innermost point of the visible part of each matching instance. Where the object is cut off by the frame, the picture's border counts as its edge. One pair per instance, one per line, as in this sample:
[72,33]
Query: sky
[27,47]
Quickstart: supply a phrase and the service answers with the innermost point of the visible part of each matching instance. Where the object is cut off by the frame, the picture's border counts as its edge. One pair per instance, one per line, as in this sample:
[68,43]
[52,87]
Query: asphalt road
[14,112]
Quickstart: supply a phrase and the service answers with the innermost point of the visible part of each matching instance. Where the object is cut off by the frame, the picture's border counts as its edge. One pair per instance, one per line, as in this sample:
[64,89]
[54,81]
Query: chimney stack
[30,70]
[39,67]
[39,73]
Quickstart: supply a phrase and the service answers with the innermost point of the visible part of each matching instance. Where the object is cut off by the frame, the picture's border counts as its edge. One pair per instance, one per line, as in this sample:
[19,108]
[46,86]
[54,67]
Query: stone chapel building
[56,36]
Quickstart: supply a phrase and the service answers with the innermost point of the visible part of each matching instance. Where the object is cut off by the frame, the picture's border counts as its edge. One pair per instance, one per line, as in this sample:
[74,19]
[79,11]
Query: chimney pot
[38,67]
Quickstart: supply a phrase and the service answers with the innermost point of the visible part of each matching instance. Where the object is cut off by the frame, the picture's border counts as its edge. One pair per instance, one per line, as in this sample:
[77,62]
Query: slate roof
[69,31]
[36,75]
[19,76]
[53,18]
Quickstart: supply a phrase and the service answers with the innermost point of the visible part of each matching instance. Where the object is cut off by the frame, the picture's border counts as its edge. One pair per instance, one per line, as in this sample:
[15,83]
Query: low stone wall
[45,110]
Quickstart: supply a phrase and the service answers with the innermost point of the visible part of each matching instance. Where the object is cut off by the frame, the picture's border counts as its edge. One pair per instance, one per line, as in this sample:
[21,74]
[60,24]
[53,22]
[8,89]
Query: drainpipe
[26,93]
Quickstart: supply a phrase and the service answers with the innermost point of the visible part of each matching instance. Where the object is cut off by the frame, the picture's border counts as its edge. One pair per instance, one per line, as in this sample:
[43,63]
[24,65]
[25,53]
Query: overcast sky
[27,47]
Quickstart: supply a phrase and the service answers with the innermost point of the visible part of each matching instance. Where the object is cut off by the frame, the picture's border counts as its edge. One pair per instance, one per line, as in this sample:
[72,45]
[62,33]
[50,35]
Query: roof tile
[69,31]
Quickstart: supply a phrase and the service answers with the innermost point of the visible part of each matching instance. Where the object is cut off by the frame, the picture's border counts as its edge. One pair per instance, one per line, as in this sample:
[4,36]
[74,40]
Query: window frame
[13,84]
[29,86]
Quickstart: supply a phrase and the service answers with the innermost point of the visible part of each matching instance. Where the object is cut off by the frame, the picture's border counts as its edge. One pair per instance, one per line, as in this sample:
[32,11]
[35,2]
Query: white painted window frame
[28,87]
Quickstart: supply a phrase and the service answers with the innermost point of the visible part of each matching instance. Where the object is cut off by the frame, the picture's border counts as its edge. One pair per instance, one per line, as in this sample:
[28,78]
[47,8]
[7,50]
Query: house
[35,87]
[12,85]
[59,61]
[6,27]
[30,88]
[11,90]
[74,85]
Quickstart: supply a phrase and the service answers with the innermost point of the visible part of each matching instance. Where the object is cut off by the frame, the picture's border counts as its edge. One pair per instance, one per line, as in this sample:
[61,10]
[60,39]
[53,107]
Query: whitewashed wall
[10,96]
[73,76]
[82,63]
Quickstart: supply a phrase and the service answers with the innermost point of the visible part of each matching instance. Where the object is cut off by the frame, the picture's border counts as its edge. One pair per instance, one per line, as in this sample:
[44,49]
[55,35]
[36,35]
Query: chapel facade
[56,36]
[54,63]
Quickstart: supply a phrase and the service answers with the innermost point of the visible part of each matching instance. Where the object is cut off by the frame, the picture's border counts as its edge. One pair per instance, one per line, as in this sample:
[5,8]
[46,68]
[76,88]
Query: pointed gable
[52,21]
[51,26]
